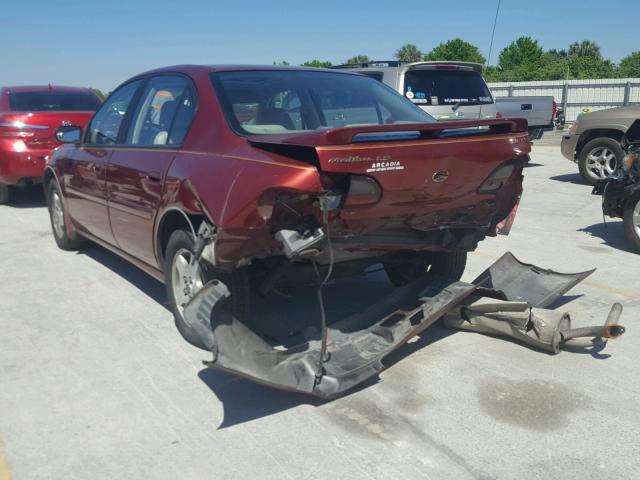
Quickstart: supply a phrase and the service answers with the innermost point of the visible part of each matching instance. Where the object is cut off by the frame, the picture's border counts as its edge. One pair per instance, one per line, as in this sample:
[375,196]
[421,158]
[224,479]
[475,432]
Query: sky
[101,44]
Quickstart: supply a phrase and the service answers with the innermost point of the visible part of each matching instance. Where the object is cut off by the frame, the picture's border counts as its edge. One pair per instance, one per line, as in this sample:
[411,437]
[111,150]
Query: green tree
[585,48]
[317,64]
[583,67]
[282,63]
[409,53]
[520,61]
[630,65]
[456,49]
[99,93]
[523,52]
[359,59]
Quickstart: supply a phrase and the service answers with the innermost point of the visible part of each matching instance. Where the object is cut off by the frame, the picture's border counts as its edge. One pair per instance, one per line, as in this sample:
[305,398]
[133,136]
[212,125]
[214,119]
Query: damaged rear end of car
[402,194]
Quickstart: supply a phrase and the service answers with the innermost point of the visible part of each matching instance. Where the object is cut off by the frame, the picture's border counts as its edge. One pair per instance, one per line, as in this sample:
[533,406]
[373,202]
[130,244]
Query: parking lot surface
[96,383]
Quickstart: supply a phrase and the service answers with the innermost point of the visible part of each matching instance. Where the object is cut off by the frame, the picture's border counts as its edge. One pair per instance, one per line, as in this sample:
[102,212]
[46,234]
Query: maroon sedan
[29,117]
[236,174]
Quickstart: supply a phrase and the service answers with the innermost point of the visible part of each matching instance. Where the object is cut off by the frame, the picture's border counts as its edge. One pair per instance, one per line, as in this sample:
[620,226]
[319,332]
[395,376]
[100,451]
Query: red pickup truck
[29,117]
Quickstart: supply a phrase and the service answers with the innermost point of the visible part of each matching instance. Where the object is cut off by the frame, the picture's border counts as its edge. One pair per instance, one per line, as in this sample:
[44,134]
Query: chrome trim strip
[24,125]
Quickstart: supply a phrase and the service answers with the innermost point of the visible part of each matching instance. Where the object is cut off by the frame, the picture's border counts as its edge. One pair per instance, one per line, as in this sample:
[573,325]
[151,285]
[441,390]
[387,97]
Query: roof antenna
[493,32]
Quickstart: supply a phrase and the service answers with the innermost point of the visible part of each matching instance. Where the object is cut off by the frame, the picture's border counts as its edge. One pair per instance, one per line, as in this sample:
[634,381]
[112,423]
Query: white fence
[574,95]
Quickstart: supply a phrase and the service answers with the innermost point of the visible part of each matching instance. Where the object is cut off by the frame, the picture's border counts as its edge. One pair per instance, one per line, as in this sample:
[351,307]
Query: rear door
[85,178]
[136,170]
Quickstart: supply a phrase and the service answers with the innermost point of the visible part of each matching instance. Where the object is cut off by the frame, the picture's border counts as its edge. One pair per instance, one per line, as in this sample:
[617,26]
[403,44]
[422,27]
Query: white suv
[446,90]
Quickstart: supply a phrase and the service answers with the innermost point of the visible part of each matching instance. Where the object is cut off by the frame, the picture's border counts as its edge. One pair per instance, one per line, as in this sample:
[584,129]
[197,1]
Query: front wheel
[184,280]
[599,159]
[444,264]
[631,219]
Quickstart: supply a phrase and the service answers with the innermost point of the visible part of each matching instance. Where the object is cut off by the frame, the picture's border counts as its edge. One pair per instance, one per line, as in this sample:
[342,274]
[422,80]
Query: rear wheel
[631,218]
[599,158]
[4,194]
[183,281]
[57,215]
[444,264]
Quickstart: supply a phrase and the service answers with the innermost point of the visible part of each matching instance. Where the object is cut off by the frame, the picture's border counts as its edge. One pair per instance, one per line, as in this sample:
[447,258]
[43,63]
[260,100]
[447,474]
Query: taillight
[554,110]
[498,115]
[17,129]
[363,190]
[497,179]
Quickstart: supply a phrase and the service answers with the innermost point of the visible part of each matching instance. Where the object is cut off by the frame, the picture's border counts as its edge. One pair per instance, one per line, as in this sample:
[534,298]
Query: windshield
[53,101]
[262,102]
[446,87]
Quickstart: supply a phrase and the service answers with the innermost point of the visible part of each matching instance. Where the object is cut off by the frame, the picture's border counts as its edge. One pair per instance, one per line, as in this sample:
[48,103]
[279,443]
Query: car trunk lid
[418,166]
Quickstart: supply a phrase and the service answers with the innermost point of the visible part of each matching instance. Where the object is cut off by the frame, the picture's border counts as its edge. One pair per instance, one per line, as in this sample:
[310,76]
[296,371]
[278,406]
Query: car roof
[40,88]
[192,69]
[393,64]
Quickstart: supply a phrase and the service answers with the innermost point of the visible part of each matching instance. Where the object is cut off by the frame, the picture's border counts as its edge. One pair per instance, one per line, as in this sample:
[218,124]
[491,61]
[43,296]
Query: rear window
[262,102]
[446,87]
[53,101]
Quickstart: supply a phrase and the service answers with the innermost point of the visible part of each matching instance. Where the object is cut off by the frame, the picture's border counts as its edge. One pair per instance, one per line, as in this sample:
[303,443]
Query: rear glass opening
[272,101]
[53,101]
[446,87]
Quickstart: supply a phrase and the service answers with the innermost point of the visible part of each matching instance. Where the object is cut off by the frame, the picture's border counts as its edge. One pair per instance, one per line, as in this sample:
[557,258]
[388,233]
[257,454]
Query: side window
[105,125]
[166,98]
[184,116]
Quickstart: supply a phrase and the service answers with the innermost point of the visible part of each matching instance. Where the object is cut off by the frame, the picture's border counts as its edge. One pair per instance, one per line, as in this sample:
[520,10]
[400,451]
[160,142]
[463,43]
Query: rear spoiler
[346,135]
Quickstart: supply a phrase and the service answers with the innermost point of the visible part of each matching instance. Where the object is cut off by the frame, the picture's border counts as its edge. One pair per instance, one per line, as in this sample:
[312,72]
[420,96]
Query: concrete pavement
[96,383]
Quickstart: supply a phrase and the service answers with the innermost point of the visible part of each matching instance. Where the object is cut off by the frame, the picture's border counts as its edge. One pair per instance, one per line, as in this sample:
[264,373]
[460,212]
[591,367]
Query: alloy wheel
[601,163]
[186,279]
[57,214]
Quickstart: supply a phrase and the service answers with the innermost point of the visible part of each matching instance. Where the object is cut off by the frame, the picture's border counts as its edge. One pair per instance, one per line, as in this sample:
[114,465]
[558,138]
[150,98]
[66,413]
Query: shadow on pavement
[574,178]
[612,233]
[141,280]
[31,196]
[244,400]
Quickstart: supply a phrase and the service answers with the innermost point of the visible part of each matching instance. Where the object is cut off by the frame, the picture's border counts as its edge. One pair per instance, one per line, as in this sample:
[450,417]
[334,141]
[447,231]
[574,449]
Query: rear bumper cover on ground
[356,346]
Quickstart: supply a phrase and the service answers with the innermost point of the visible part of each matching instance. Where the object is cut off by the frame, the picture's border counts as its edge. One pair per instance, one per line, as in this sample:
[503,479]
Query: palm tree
[585,48]
[409,53]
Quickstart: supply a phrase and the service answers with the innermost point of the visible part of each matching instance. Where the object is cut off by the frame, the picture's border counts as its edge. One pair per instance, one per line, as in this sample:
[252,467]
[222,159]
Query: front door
[86,177]
[136,171]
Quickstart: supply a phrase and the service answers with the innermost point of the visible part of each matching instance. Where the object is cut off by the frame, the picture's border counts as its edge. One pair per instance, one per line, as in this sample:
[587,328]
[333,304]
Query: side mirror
[68,134]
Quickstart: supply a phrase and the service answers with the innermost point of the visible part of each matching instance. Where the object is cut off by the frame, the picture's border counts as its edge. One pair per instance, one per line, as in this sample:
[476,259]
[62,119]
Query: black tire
[238,283]
[631,226]
[60,235]
[592,146]
[444,264]
[4,194]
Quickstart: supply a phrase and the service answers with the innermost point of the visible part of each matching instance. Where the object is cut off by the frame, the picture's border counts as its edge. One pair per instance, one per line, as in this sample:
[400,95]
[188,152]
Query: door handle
[153,177]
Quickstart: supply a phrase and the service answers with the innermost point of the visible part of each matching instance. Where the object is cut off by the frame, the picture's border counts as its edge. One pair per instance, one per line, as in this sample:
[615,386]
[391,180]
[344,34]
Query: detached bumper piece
[508,299]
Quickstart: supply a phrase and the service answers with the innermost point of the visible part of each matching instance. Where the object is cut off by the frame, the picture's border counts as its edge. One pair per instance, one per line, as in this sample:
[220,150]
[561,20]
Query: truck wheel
[57,215]
[631,219]
[183,283]
[4,194]
[444,264]
[599,158]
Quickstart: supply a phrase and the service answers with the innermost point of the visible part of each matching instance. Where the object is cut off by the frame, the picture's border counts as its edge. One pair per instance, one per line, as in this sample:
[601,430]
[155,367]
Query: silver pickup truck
[540,112]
